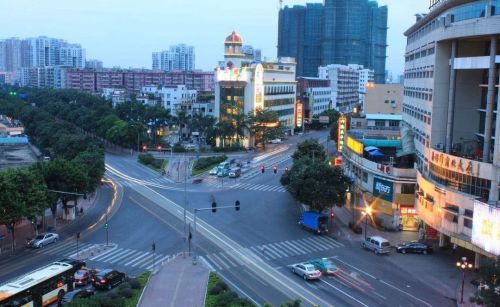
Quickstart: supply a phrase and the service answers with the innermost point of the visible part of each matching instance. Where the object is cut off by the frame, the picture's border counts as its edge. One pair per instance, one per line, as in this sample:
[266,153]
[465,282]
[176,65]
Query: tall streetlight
[463,265]
[367,212]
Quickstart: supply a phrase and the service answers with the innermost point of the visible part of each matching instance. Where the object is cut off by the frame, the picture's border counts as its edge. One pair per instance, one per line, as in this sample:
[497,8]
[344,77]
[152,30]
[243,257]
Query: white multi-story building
[450,104]
[42,77]
[344,84]
[72,56]
[174,98]
[178,57]
[243,86]
[94,64]
[366,79]
[319,99]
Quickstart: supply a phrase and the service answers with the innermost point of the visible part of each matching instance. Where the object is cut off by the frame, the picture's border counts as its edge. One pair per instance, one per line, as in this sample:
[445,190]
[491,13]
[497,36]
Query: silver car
[306,270]
[43,239]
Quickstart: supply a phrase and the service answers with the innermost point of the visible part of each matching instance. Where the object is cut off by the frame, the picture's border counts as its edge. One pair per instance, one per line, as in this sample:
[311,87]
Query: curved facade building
[451,103]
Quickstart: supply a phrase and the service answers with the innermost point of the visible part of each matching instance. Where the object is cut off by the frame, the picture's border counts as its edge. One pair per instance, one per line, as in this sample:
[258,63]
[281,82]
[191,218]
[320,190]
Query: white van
[377,244]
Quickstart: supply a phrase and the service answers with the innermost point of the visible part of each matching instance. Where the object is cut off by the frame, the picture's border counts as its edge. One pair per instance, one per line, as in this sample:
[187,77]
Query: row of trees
[77,165]
[312,181]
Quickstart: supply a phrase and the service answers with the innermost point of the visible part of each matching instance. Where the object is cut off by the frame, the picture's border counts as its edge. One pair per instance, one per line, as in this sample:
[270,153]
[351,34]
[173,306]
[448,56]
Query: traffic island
[93,251]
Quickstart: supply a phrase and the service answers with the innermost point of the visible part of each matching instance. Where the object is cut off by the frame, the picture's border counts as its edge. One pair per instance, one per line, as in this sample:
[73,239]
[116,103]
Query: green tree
[310,148]
[92,162]
[316,184]
[241,126]
[24,194]
[489,292]
[264,125]
[224,130]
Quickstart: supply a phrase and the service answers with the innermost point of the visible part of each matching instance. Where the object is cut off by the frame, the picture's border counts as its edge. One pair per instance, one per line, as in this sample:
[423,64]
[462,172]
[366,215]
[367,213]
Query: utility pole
[77,249]
[154,250]
[106,226]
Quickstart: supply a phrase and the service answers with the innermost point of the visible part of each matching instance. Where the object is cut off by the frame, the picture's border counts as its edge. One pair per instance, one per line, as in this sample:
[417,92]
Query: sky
[125,32]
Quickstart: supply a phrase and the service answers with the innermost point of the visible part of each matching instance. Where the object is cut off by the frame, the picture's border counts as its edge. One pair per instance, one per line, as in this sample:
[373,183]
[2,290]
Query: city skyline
[107,35]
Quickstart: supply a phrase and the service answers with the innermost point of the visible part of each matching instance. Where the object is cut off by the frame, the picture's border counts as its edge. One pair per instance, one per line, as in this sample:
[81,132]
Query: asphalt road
[251,249]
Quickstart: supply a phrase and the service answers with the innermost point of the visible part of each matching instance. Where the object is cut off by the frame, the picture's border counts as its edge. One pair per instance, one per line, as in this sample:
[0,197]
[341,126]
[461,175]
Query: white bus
[41,287]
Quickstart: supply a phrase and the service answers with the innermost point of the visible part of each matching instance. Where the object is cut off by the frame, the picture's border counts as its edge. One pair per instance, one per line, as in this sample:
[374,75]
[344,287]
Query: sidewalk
[177,283]
[438,271]
[24,229]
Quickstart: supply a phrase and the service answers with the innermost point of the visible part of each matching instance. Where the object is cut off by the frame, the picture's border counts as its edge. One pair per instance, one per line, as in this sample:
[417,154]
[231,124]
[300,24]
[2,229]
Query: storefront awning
[463,242]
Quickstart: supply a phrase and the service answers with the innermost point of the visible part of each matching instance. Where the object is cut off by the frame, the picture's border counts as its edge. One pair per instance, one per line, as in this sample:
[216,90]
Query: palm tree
[224,130]
[241,125]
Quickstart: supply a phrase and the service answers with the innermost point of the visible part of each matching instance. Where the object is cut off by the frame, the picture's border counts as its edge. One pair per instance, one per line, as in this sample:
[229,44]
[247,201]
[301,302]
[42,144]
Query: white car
[275,141]
[214,171]
[43,239]
[306,270]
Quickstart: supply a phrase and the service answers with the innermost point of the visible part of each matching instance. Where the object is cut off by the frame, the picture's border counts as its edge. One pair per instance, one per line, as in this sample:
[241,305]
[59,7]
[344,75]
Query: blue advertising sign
[383,189]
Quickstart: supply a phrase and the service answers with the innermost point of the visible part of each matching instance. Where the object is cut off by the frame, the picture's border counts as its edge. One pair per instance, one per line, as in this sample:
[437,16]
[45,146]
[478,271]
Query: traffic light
[262,169]
[275,169]
[144,147]
[214,207]
[78,236]
[106,225]
[286,168]
[332,214]
[153,247]
[159,148]
[237,205]
[13,93]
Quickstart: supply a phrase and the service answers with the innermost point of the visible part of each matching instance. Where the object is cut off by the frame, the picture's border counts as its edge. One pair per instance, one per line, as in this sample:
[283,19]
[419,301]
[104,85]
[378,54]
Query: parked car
[306,270]
[376,244]
[80,293]
[414,247]
[225,165]
[324,265]
[235,172]
[83,276]
[43,239]
[214,171]
[275,141]
[107,279]
[223,172]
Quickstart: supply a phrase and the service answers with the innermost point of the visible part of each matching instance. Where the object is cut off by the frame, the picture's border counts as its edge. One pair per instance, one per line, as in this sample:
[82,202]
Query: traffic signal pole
[213,208]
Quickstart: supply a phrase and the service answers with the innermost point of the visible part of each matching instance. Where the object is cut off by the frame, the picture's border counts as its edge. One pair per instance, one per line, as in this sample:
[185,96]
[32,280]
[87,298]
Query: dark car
[414,247]
[81,293]
[107,279]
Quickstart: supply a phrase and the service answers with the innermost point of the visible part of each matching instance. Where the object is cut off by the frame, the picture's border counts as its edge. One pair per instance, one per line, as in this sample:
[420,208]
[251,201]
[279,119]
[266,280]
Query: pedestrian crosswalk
[119,256]
[274,251]
[259,187]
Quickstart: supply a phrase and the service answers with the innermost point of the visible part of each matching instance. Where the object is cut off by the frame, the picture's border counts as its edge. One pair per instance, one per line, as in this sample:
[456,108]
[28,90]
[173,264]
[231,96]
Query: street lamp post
[463,265]
[367,212]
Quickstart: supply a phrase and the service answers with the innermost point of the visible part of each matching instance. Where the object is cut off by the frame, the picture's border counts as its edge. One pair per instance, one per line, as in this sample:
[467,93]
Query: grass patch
[155,164]
[143,280]
[204,164]
[219,294]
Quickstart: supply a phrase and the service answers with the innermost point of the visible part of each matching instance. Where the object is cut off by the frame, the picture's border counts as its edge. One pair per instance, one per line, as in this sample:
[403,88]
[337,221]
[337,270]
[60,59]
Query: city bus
[40,287]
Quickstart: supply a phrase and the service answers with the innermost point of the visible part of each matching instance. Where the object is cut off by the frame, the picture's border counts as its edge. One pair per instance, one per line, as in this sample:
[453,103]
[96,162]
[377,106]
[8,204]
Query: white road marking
[346,294]
[410,295]
[214,262]
[143,254]
[222,256]
[220,261]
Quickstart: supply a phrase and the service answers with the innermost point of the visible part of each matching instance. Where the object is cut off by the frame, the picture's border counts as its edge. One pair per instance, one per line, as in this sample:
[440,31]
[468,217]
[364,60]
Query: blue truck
[315,221]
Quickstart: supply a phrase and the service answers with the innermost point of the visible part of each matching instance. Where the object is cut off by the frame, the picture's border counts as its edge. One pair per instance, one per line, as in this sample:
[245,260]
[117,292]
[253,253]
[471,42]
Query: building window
[407,188]
[469,213]
[365,177]
[468,223]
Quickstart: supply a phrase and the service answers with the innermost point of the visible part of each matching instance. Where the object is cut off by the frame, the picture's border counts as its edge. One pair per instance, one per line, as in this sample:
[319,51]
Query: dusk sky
[125,32]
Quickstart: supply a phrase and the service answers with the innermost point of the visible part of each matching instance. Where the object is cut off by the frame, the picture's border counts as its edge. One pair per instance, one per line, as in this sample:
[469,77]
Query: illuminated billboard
[342,128]
[355,145]
[259,87]
[300,114]
[486,227]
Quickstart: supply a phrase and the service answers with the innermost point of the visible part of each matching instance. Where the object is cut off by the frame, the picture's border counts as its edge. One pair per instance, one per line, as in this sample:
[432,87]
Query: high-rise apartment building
[178,57]
[336,32]
[94,64]
[450,110]
[300,36]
